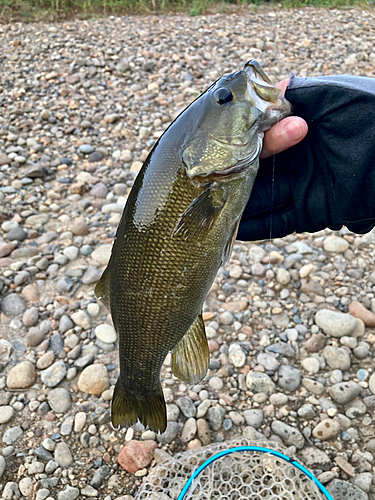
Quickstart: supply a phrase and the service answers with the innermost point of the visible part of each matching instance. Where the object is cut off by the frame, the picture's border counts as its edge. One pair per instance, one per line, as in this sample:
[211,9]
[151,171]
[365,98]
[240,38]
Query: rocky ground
[81,104]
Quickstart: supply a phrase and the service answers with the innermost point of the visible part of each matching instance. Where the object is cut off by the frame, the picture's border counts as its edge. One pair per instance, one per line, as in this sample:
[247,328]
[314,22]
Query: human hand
[285,134]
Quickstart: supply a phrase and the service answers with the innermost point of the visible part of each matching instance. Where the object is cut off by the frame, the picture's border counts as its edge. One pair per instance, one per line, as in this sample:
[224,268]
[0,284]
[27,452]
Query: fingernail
[293,131]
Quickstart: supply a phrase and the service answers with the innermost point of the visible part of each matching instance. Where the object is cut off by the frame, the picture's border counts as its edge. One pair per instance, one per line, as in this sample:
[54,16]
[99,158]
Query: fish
[177,228]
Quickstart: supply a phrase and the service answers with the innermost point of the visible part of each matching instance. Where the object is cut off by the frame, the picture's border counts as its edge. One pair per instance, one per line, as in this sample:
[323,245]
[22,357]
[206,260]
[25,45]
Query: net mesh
[239,476]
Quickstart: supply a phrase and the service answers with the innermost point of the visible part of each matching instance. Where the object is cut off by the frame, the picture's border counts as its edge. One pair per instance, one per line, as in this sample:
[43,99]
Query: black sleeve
[327,180]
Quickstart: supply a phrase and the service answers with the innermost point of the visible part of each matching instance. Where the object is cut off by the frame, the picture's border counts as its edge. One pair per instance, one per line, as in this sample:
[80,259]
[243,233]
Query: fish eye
[223,95]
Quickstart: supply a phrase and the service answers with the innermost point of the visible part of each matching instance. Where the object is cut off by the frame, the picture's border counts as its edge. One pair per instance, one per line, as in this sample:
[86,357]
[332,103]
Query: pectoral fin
[229,246]
[202,211]
[191,357]
[102,289]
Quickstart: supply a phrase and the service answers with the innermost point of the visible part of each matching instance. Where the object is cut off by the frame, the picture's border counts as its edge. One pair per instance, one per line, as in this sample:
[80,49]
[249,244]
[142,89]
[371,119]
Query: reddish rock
[357,310]
[137,455]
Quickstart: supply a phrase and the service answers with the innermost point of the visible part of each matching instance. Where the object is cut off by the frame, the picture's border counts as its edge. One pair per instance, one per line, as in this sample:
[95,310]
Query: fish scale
[176,230]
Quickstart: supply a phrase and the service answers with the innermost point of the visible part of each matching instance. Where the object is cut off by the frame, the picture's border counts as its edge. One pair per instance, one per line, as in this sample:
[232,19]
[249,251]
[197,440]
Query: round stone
[13,305]
[94,379]
[254,418]
[311,365]
[82,319]
[335,244]
[59,400]
[289,378]
[334,323]
[216,383]
[327,429]
[106,333]
[21,376]
[6,414]
[53,375]
[236,355]
[260,382]
[30,317]
[337,358]
[102,254]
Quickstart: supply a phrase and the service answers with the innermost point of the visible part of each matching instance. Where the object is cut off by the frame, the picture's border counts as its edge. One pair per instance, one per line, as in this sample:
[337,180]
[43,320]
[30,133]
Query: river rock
[94,379]
[21,376]
[137,455]
[334,323]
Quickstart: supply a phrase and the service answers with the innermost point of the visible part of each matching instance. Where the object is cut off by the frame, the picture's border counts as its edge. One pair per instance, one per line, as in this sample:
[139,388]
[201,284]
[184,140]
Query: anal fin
[191,357]
[102,289]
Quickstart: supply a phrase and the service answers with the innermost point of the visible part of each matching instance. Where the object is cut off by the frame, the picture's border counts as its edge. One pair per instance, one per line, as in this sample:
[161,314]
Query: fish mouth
[267,98]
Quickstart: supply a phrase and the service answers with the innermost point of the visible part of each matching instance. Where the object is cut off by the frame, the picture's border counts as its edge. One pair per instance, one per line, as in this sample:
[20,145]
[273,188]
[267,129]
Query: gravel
[290,321]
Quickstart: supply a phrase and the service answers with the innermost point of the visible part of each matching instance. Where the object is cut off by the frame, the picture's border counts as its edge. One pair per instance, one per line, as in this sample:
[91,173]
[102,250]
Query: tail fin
[128,407]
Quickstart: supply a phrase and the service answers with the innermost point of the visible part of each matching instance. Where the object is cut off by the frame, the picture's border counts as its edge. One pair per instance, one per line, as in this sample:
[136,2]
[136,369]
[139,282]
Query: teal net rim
[259,449]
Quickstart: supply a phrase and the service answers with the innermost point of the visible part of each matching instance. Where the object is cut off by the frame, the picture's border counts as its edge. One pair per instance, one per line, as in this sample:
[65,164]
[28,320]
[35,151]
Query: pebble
[342,490]
[236,355]
[2,465]
[63,455]
[6,414]
[289,378]
[189,430]
[359,311]
[344,392]
[21,376]
[290,435]
[136,455]
[334,323]
[216,383]
[170,433]
[59,400]
[337,358]
[254,418]
[260,382]
[53,375]
[13,305]
[94,379]
[11,435]
[327,429]
[106,333]
[335,244]
[311,365]
[82,319]
[187,407]
[215,417]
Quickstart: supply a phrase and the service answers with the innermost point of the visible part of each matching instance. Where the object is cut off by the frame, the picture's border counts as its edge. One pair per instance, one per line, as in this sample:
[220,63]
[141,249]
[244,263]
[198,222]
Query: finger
[283,135]
[283,84]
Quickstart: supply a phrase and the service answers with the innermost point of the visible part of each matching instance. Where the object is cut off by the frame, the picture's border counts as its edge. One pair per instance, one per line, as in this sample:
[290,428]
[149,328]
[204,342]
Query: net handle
[260,449]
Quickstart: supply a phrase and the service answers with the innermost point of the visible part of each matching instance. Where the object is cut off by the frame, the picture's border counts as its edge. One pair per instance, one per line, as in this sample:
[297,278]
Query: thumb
[284,135]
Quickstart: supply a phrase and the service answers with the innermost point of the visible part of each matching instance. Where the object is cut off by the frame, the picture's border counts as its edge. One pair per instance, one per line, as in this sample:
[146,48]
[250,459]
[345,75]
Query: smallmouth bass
[177,229]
